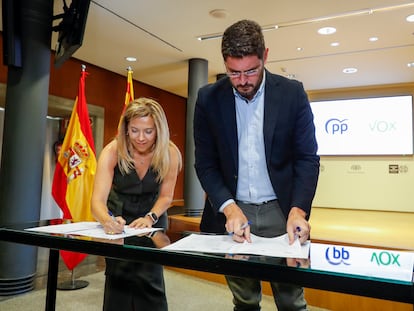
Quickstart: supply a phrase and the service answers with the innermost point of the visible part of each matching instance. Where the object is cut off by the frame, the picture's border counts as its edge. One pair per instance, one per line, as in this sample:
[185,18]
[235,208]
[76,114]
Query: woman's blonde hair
[144,107]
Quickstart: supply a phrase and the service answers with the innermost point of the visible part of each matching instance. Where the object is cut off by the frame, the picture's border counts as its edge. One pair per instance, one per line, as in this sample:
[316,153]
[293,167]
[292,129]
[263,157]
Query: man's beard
[248,90]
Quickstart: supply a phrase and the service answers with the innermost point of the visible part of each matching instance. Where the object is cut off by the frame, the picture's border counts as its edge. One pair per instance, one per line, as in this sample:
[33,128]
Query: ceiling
[162,35]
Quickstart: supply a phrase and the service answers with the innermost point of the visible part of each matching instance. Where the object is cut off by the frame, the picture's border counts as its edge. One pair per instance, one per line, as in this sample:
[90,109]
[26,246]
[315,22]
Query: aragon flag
[129,95]
[75,169]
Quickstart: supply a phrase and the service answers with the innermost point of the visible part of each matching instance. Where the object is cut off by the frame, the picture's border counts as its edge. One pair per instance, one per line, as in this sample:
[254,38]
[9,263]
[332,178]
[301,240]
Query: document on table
[224,244]
[91,229]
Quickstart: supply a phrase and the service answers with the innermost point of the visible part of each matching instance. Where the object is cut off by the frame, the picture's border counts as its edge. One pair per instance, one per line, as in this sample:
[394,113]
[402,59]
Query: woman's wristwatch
[153,217]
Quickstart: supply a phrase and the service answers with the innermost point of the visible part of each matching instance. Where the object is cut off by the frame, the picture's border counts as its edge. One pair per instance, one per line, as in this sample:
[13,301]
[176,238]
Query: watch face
[154,216]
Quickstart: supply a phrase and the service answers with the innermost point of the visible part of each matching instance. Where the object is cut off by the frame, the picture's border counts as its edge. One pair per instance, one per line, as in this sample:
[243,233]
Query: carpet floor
[184,293]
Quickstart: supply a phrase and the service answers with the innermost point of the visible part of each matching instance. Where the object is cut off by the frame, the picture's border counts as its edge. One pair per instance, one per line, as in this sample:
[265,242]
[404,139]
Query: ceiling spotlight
[373,39]
[209,37]
[349,70]
[335,44]
[410,18]
[131,59]
[410,65]
[326,30]
[269,28]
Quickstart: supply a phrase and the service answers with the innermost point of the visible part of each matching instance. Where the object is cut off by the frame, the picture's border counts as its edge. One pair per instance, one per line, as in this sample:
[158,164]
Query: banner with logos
[369,262]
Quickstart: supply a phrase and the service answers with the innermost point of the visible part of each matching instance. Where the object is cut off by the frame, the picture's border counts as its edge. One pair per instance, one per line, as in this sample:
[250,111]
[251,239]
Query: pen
[113,218]
[244,226]
[112,215]
[298,229]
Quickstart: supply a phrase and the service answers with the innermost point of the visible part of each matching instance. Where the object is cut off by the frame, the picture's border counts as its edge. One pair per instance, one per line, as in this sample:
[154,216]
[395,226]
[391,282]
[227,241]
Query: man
[255,156]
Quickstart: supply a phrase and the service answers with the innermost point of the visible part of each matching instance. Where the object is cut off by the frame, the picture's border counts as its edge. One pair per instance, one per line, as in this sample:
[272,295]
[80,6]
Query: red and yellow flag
[129,95]
[75,169]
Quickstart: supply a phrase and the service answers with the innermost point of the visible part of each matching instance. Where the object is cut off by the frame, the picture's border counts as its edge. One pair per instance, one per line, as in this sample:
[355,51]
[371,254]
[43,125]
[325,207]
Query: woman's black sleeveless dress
[134,285]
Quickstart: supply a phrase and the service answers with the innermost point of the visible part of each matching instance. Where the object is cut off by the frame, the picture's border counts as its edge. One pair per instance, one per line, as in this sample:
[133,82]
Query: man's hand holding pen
[237,224]
[297,226]
[242,234]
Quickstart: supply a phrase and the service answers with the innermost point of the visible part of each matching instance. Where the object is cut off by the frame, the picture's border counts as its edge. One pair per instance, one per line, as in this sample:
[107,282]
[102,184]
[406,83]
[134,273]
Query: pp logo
[337,256]
[335,126]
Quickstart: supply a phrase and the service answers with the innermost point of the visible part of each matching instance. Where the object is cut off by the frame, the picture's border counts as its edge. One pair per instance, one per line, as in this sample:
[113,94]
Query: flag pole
[129,95]
[72,284]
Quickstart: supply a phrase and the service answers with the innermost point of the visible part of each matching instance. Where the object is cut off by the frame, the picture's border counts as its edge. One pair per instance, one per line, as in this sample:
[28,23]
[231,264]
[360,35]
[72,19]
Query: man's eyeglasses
[247,73]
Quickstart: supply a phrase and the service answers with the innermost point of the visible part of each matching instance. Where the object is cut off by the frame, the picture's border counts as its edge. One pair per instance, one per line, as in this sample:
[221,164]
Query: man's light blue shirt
[253,183]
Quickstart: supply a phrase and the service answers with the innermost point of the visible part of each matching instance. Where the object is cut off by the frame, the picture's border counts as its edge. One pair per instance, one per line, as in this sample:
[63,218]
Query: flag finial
[83,67]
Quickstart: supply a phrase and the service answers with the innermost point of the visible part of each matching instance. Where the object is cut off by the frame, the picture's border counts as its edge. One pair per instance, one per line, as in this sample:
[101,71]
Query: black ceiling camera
[71,29]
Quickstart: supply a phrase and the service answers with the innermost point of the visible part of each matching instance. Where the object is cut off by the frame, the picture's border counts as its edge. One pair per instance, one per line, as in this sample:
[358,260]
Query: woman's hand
[141,222]
[114,225]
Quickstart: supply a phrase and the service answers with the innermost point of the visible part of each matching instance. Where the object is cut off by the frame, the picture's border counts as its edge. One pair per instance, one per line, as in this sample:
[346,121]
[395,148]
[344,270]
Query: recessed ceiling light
[335,44]
[411,65]
[299,49]
[349,70]
[373,39]
[219,13]
[410,18]
[131,59]
[326,30]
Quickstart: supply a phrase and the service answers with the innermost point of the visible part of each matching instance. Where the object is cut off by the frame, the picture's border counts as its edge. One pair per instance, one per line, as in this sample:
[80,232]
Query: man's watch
[153,217]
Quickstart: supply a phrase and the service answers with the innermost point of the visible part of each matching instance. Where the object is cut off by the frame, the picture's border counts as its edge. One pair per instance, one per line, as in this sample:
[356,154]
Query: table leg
[52,276]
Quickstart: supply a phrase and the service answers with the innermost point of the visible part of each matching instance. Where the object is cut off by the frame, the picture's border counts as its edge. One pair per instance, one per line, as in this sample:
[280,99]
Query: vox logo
[382,126]
[385,258]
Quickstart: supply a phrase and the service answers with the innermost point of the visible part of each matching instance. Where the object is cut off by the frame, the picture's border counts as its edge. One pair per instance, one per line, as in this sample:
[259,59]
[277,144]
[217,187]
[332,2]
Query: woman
[134,184]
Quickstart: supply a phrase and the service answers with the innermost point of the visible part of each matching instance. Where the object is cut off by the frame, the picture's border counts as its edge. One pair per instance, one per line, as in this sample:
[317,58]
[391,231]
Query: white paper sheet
[224,244]
[91,229]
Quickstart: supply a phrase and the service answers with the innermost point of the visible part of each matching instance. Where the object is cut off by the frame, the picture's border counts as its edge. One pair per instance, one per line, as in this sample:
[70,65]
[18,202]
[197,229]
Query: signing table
[265,268]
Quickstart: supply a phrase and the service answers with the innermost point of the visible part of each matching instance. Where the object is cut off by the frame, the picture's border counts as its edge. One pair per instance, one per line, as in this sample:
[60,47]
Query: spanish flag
[75,169]
[129,95]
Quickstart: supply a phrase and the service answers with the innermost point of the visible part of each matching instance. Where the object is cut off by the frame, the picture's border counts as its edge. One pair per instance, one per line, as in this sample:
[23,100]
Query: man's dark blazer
[290,146]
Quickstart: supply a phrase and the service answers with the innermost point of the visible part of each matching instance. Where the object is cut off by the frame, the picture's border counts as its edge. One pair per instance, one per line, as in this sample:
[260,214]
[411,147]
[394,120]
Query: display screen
[364,126]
